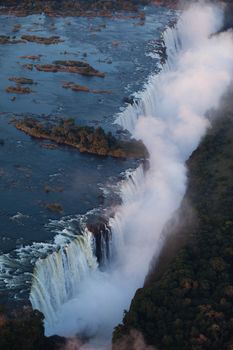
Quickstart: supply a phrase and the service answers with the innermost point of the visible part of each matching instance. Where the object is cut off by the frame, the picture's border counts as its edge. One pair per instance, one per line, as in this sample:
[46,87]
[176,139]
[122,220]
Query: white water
[55,282]
[170,119]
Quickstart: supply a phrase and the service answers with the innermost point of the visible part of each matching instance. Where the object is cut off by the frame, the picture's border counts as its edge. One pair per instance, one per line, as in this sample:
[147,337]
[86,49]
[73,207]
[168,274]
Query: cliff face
[188,302]
[23,329]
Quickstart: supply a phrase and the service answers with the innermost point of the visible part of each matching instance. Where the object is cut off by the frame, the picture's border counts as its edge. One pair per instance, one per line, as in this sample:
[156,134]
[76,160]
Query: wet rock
[49,145]
[51,68]
[49,189]
[76,87]
[54,207]
[129,100]
[81,88]
[32,57]
[18,90]
[79,67]
[21,80]
[16,28]
[5,39]
[28,66]
[115,43]
[42,40]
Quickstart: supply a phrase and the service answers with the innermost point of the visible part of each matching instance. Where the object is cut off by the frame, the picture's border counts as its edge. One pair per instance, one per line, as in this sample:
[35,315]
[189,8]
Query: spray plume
[170,119]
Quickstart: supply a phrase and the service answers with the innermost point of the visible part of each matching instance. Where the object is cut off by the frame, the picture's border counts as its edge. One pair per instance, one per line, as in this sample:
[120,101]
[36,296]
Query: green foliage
[85,138]
[191,306]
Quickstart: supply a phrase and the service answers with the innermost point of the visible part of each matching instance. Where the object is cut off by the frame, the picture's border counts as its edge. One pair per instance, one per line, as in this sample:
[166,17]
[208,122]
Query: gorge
[84,280]
[170,119]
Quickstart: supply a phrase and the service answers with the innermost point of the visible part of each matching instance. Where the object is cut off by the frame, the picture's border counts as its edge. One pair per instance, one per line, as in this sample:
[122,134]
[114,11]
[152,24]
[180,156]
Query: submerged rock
[28,66]
[16,28]
[54,207]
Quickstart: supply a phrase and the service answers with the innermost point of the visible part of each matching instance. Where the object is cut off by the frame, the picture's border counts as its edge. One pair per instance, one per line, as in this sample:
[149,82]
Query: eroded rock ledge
[85,138]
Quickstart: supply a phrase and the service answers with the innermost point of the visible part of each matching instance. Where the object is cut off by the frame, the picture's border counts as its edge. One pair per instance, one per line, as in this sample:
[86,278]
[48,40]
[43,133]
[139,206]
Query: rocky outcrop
[16,28]
[81,88]
[21,80]
[5,39]
[28,66]
[54,207]
[79,67]
[42,40]
[85,138]
[31,57]
[102,235]
[75,87]
[18,90]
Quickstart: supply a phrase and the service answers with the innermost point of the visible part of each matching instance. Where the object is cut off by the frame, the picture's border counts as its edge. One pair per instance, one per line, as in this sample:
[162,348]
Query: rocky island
[72,8]
[85,138]
[42,40]
[21,80]
[79,67]
[81,88]
[18,89]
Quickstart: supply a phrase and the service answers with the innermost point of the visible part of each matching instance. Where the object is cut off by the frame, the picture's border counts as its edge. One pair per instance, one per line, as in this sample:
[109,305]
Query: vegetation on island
[81,88]
[85,138]
[189,305]
[18,89]
[41,40]
[69,66]
[21,80]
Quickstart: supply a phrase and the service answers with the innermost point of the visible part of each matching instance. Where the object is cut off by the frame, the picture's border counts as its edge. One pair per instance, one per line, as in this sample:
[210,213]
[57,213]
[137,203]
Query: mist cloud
[171,129]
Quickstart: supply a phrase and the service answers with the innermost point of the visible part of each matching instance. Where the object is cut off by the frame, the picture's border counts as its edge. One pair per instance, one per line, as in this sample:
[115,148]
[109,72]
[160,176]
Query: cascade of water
[170,119]
[57,277]
[148,99]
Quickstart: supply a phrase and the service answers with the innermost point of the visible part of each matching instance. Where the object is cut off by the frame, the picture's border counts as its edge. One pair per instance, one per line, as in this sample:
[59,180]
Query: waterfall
[57,277]
[148,99]
[170,118]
